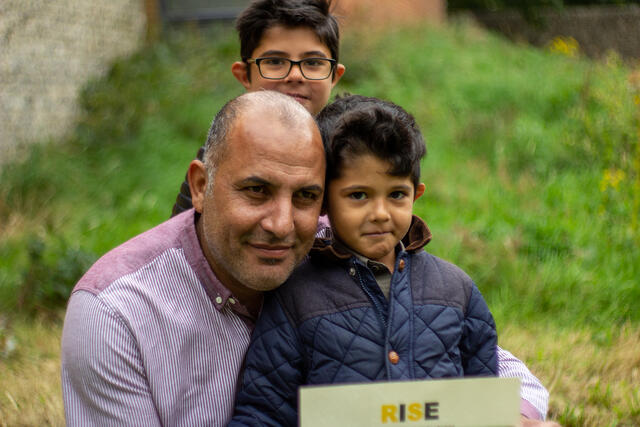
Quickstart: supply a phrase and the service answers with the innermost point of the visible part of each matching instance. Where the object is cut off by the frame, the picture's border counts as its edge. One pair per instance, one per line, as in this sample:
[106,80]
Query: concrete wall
[597,29]
[48,50]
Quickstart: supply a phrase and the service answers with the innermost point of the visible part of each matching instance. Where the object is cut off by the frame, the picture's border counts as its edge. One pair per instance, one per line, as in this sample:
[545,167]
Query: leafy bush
[50,275]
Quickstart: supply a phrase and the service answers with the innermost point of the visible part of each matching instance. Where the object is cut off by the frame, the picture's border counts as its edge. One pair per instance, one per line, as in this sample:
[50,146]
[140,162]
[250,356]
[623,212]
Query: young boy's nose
[379,211]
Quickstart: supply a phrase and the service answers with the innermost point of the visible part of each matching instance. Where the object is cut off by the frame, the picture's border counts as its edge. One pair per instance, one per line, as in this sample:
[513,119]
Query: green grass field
[533,187]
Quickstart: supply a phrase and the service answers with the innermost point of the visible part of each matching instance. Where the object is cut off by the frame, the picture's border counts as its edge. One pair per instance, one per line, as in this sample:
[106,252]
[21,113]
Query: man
[157,329]
[274,36]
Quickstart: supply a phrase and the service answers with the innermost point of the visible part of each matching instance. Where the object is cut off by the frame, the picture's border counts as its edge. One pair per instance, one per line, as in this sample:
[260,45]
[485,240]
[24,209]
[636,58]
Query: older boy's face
[370,210]
[296,44]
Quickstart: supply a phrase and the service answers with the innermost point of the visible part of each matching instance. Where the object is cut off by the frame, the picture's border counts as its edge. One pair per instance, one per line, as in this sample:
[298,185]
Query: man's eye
[256,189]
[397,195]
[358,195]
[307,195]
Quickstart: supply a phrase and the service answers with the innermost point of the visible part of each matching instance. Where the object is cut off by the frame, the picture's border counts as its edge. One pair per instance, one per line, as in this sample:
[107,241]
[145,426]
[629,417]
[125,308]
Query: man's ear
[239,71]
[419,191]
[197,178]
[337,73]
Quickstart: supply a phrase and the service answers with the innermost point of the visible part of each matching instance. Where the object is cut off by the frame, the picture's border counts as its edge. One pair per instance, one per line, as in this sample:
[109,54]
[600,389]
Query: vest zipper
[375,302]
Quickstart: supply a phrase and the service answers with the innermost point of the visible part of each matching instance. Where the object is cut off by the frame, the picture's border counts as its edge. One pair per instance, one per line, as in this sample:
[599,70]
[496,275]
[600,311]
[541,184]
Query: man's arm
[103,380]
[534,397]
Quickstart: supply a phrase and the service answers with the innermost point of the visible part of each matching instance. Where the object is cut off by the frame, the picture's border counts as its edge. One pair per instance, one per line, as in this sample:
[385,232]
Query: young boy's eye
[397,195]
[358,195]
[307,196]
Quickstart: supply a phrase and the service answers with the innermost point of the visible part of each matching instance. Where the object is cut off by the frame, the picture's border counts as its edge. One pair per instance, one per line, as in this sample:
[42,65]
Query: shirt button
[401,265]
[219,300]
[232,301]
[352,271]
[393,357]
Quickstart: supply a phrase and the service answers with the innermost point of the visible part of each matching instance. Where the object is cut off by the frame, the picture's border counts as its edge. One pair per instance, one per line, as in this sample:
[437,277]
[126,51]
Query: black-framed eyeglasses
[276,68]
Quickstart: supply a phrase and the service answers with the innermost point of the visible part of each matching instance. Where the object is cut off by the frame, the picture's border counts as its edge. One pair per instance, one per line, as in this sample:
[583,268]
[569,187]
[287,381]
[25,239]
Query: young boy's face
[370,210]
[296,44]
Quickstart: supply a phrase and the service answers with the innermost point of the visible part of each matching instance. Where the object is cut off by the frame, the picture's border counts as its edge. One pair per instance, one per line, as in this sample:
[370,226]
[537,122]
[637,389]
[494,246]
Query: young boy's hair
[354,125]
[262,15]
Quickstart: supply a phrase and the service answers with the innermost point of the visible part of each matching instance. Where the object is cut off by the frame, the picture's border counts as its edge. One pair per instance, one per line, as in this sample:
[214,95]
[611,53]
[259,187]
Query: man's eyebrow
[308,54]
[253,180]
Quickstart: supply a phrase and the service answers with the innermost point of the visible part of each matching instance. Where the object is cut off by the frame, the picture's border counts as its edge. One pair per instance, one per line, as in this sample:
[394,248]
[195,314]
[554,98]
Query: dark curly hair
[354,125]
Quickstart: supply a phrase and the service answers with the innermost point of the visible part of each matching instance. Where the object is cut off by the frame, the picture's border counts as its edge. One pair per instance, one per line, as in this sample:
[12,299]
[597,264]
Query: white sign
[445,402]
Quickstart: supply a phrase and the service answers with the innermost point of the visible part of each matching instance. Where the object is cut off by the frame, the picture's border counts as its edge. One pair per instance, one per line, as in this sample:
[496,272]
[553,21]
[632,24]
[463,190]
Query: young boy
[369,304]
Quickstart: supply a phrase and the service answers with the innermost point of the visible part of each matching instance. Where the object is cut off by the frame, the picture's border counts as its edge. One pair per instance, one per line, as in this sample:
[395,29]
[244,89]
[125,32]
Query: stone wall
[597,29]
[48,50]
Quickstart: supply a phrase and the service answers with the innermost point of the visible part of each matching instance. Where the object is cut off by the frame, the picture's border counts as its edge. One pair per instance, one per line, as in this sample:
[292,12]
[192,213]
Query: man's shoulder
[166,239]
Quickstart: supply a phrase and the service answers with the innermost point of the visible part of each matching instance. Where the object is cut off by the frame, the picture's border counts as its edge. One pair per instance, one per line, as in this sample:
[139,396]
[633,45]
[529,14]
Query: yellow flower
[565,45]
[611,178]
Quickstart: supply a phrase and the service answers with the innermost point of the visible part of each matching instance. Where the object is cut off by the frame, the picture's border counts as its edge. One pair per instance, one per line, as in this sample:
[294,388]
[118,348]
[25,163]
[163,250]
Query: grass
[30,385]
[595,383]
[533,187]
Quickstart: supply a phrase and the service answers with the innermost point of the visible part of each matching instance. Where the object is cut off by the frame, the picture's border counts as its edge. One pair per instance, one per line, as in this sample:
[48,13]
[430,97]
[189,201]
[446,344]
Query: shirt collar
[220,296]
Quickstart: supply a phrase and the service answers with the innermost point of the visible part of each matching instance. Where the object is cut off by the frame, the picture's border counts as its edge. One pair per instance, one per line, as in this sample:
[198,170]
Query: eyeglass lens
[279,68]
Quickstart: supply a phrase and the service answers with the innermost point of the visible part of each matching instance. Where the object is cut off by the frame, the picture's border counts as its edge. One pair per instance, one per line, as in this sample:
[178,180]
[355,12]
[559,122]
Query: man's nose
[279,219]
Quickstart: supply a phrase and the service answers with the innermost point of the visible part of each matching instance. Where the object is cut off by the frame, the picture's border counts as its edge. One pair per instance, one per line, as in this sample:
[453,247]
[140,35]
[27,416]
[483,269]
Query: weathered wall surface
[48,50]
[597,29]
[376,13]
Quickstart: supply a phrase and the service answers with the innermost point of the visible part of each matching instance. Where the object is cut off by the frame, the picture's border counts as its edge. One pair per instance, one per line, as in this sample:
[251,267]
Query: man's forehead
[271,135]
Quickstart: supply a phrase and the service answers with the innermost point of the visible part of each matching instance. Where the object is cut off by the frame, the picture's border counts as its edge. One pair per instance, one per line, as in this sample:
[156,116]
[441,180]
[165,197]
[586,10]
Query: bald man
[156,331]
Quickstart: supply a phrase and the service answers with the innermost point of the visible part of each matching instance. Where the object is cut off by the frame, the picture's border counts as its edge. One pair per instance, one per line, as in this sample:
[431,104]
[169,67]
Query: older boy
[290,46]
[370,304]
[303,30]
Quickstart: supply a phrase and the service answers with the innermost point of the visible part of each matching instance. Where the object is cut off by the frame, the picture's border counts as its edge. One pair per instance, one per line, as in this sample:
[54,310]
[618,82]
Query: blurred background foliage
[532,173]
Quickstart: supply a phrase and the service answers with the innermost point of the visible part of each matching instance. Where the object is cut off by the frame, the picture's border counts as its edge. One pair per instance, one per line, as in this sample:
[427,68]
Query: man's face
[370,211]
[260,215]
[296,44]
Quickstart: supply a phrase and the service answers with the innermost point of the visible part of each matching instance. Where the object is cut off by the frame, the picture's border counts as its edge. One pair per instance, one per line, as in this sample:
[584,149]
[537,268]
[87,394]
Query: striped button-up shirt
[151,337]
